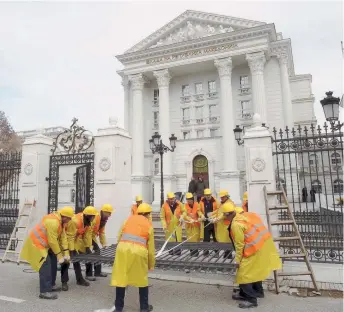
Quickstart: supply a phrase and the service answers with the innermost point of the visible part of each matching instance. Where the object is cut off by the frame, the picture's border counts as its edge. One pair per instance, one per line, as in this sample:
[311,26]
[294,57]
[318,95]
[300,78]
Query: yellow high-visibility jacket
[79,236]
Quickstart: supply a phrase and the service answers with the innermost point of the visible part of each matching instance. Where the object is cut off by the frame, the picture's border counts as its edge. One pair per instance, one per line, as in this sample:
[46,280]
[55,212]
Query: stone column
[163,79]
[127,110]
[286,94]
[112,175]
[256,62]
[229,177]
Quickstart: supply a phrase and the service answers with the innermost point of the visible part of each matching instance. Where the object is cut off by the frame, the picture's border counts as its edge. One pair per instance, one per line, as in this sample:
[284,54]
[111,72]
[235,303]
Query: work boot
[260,295]
[65,287]
[101,274]
[56,288]
[82,282]
[90,278]
[237,296]
[247,305]
[48,295]
[150,308]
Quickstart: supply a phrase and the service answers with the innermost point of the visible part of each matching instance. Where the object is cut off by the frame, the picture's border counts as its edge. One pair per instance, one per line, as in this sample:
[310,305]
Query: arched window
[316,185]
[156,166]
[336,159]
[313,160]
[338,186]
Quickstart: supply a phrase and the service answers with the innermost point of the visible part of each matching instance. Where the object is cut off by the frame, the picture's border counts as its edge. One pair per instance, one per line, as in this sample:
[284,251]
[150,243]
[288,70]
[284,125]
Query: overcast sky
[57,59]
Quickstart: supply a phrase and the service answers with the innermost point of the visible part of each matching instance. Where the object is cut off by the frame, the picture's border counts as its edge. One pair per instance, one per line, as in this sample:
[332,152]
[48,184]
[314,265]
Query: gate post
[112,175]
[259,166]
[36,151]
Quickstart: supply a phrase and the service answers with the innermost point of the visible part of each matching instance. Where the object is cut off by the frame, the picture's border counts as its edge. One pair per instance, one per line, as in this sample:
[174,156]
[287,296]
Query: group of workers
[62,234]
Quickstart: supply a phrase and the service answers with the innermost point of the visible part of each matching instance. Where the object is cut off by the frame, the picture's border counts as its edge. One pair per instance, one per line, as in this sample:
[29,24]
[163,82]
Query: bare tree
[9,141]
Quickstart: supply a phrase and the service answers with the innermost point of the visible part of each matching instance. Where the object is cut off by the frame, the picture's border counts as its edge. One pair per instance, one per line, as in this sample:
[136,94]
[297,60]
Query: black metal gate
[10,166]
[71,148]
[309,165]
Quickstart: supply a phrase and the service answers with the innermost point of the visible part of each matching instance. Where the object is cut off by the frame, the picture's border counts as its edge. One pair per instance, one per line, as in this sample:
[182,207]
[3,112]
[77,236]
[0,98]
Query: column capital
[282,57]
[125,82]
[137,81]
[224,66]
[163,77]
[256,62]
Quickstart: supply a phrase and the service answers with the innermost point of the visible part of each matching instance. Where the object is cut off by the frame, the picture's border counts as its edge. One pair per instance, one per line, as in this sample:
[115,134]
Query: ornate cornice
[224,66]
[198,16]
[163,77]
[207,42]
[256,62]
[282,50]
[137,81]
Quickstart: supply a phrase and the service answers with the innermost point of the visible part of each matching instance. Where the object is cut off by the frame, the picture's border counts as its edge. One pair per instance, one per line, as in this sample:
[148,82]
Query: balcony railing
[185,99]
[212,95]
[245,114]
[200,121]
[186,122]
[155,126]
[156,103]
[198,97]
[244,90]
[214,119]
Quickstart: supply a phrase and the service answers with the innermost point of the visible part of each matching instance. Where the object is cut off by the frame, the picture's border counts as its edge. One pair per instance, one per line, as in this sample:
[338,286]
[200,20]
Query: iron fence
[308,162]
[10,166]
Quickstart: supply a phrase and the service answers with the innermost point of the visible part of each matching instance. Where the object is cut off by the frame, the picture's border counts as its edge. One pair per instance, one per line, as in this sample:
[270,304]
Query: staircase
[159,234]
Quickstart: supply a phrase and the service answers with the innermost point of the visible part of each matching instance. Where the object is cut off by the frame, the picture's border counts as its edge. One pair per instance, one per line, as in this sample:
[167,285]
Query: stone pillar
[229,178]
[256,62]
[34,185]
[112,175]
[259,167]
[286,94]
[127,110]
[137,83]
[163,79]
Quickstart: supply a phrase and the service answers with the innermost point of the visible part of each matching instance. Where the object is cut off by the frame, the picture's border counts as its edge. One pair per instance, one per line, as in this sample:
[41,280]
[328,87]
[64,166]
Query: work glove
[67,258]
[61,261]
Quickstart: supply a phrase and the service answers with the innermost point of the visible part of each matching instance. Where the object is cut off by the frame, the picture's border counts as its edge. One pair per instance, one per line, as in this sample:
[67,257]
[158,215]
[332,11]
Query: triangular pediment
[193,25]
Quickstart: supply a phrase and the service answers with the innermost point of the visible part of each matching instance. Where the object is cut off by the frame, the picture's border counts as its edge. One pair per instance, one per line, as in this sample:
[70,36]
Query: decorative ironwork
[65,160]
[76,139]
[308,162]
[10,167]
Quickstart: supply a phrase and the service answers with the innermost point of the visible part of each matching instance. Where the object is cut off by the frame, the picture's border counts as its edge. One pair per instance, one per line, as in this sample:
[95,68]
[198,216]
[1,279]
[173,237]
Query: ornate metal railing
[304,158]
[10,167]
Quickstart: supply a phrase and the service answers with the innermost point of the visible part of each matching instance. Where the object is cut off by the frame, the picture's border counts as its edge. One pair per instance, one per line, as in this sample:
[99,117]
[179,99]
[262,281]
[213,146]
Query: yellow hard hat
[189,196]
[138,198]
[223,193]
[90,210]
[228,207]
[144,208]
[239,210]
[107,208]
[245,196]
[66,211]
[207,192]
[170,195]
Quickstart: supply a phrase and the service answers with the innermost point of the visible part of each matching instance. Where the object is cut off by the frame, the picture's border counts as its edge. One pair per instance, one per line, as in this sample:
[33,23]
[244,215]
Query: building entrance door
[200,168]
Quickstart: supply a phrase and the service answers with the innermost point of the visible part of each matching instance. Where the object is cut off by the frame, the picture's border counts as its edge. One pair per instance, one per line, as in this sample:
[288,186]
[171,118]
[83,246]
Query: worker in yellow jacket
[79,235]
[98,225]
[193,216]
[245,202]
[171,216]
[45,247]
[135,255]
[256,255]
[134,207]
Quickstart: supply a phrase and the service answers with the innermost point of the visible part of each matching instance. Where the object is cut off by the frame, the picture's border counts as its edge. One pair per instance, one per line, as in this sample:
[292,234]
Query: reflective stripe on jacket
[136,230]
[254,236]
[39,233]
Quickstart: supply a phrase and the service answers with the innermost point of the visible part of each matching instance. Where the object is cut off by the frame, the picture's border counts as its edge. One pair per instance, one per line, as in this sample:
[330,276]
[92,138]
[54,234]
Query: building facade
[198,77]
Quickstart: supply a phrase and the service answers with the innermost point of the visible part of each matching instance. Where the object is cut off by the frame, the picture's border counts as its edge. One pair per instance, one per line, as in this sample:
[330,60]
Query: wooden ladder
[22,223]
[295,237]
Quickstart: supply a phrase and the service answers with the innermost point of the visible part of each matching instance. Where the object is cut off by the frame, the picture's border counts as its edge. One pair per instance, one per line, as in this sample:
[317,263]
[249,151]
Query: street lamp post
[330,105]
[157,147]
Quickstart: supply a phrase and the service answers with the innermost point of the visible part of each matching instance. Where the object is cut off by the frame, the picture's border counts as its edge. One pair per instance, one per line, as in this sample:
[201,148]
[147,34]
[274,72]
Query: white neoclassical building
[198,77]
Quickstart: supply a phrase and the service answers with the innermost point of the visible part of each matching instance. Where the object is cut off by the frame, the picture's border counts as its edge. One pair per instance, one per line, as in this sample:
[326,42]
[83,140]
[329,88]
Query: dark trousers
[251,291]
[199,198]
[120,294]
[209,230]
[48,272]
[77,270]
[97,267]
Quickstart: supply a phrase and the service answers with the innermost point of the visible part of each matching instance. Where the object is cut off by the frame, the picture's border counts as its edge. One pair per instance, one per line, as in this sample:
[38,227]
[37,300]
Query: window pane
[186,135]
[186,114]
[156,94]
[198,88]
[243,81]
[213,133]
[199,112]
[185,90]
[211,86]
[200,134]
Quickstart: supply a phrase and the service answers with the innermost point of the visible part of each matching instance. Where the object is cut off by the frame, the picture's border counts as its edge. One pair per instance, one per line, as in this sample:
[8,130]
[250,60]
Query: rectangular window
[211,86]
[213,133]
[199,134]
[243,82]
[213,110]
[156,119]
[199,112]
[198,88]
[245,107]
[186,90]
[186,113]
[186,135]
[156,97]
